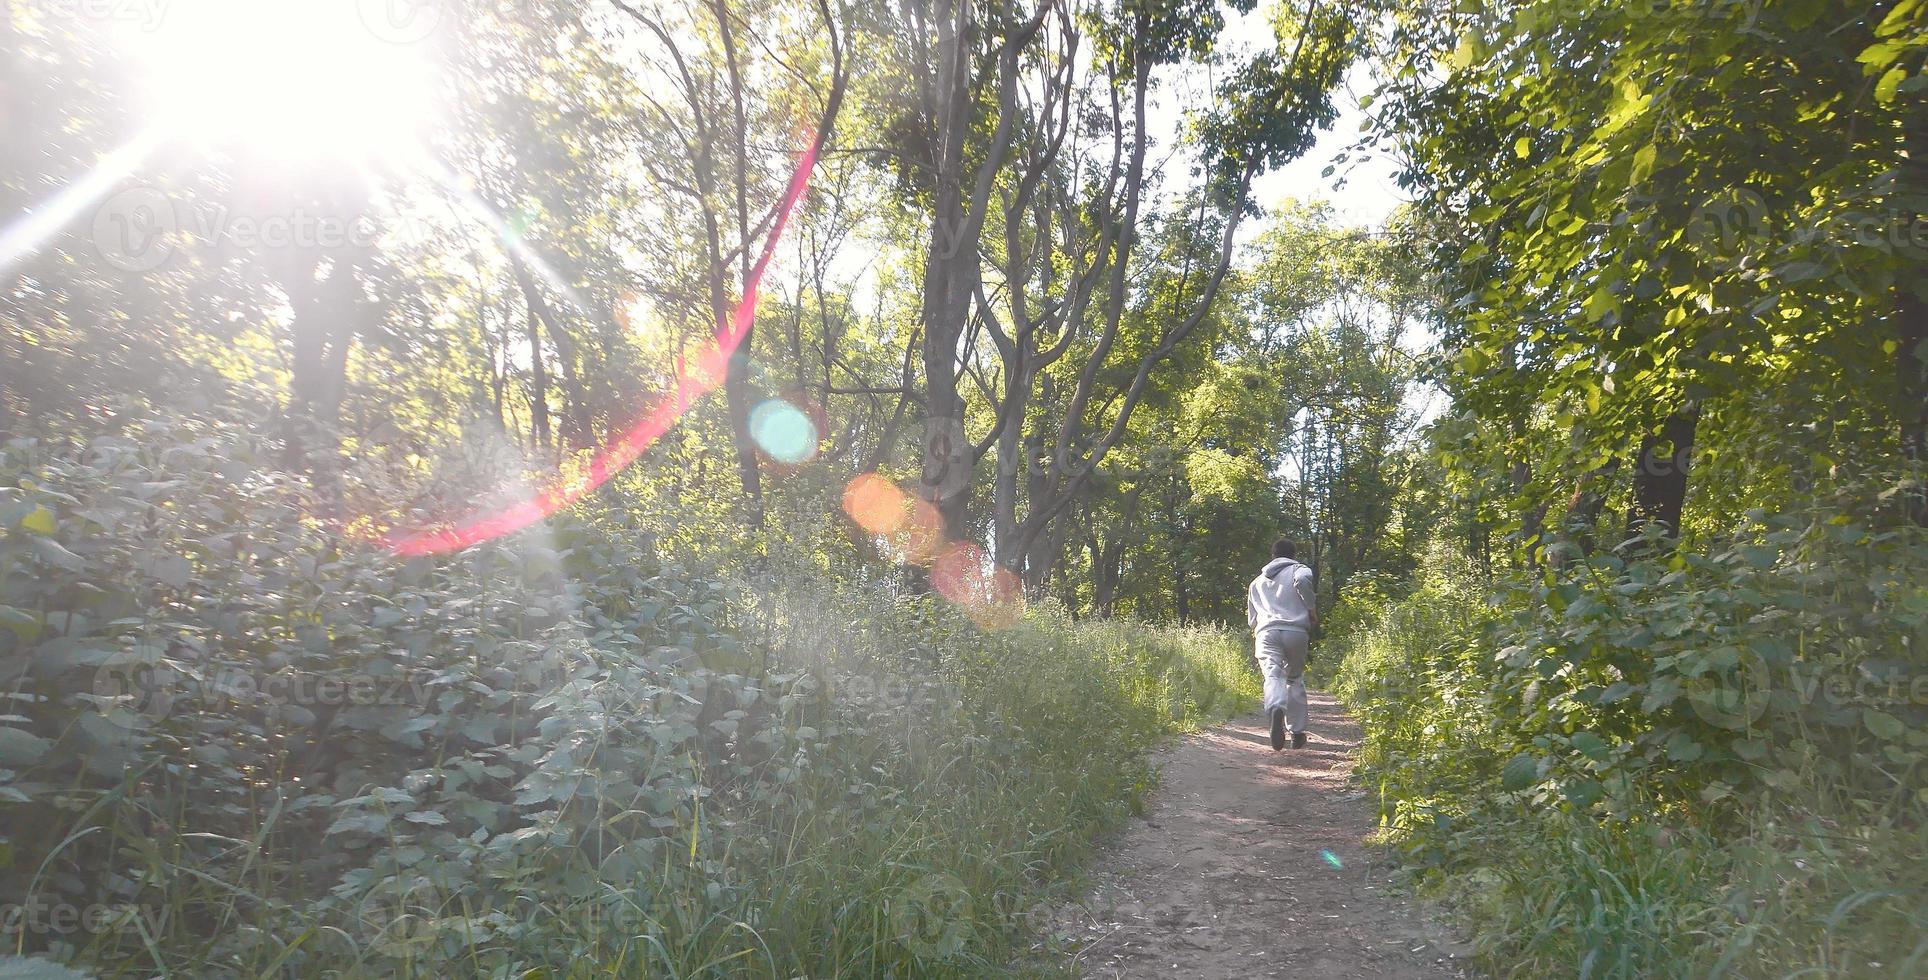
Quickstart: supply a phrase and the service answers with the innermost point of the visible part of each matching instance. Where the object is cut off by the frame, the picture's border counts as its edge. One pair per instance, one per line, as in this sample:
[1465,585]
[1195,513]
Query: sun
[322,81]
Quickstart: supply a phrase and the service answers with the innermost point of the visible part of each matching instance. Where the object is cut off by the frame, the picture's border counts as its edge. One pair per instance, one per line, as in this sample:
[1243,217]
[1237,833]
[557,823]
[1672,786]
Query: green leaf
[1661,692]
[51,552]
[1521,771]
[1880,55]
[1884,90]
[1883,724]
[1583,792]
[1899,18]
[1522,147]
[24,624]
[1601,303]
[1590,745]
[369,823]
[20,748]
[1681,747]
[1643,163]
[1614,692]
[40,521]
[36,968]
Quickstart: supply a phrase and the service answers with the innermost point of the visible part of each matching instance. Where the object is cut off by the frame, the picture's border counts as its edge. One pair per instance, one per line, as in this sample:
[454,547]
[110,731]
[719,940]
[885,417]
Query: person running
[1281,606]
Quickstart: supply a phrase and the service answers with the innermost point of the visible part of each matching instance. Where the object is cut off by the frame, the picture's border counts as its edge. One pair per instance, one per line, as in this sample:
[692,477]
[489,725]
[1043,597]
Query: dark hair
[1285,548]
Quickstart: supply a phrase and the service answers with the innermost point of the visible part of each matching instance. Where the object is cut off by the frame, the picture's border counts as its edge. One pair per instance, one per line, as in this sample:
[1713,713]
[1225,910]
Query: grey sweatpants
[1281,654]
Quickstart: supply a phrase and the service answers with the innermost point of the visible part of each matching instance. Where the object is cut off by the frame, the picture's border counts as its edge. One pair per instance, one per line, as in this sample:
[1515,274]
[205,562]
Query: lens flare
[920,539]
[960,571]
[783,432]
[875,504]
[694,380]
[993,597]
[28,233]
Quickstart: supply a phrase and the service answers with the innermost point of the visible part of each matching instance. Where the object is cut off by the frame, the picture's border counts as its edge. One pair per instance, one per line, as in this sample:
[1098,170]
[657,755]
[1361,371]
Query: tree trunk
[1181,590]
[1911,311]
[949,279]
[538,385]
[950,110]
[1660,474]
[737,395]
[736,379]
[327,311]
[1103,587]
[538,365]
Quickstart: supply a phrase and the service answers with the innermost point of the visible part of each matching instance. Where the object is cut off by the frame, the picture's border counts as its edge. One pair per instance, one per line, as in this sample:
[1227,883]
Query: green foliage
[1273,105]
[1616,769]
[1705,205]
[554,751]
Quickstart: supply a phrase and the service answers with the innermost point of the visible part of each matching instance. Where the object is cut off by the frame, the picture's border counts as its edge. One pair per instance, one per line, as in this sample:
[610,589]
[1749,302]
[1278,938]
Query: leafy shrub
[1626,766]
[278,750]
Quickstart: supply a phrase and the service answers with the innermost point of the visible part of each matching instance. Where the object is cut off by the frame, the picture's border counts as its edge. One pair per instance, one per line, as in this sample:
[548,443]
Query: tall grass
[991,763]
[957,779]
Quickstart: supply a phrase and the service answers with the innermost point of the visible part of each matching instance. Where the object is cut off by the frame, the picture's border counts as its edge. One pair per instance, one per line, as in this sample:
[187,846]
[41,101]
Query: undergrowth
[240,744]
[1654,763]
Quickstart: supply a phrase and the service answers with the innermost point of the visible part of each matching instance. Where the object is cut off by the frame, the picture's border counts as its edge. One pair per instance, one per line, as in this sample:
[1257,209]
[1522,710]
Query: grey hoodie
[1282,597]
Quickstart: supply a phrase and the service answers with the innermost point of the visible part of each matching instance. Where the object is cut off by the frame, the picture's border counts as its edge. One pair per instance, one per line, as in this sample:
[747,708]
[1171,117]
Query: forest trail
[1229,873]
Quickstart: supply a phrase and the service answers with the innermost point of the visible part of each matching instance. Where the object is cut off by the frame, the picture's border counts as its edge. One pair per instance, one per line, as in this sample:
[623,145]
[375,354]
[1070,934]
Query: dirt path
[1249,864]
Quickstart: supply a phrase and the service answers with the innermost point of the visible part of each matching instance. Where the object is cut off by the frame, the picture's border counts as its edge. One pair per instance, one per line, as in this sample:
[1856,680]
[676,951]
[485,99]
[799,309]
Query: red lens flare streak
[691,386]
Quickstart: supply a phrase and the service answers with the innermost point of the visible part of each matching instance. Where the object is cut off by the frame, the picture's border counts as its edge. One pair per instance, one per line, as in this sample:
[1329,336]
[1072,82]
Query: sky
[1362,191]
[1365,192]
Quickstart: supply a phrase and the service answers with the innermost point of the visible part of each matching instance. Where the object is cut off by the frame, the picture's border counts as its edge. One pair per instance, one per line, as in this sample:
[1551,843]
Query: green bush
[1665,762]
[272,749]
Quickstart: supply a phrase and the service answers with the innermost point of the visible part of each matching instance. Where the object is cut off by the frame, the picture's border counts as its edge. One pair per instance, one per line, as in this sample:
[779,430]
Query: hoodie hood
[1281,597]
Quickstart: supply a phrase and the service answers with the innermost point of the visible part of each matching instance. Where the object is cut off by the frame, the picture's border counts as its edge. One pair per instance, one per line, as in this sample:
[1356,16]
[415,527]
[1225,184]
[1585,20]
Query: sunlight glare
[294,80]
